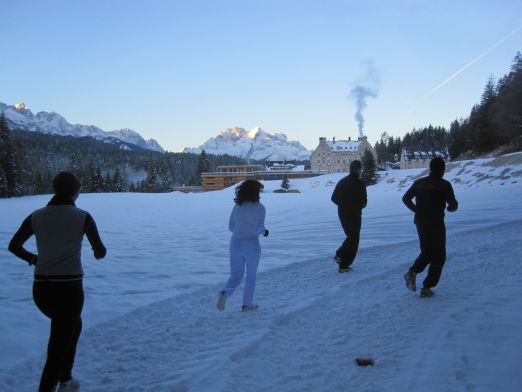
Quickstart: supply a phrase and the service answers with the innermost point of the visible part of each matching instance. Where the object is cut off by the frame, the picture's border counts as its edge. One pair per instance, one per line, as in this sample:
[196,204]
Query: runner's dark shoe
[426,293]
[222,299]
[73,385]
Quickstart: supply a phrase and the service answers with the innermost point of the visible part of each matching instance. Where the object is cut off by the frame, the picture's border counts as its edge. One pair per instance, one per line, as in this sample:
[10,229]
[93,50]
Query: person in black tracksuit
[58,279]
[350,197]
[432,194]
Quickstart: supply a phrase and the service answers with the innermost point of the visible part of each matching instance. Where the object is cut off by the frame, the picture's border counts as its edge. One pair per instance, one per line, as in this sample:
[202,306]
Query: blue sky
[182,71]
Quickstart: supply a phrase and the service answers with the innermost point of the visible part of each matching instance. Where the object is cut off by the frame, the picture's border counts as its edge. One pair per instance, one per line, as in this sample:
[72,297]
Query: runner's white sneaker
[249,308]
[410,277]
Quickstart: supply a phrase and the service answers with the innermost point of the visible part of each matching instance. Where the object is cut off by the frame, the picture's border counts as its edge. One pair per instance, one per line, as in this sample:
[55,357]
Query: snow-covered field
[150,319]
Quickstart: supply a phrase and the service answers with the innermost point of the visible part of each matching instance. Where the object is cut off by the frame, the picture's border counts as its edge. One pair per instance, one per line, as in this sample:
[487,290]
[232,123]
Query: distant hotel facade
[336,156]
[420,159]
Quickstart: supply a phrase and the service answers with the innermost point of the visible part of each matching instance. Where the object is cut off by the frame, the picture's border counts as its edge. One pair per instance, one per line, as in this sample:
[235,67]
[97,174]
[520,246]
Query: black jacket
[431,194]
[350,194]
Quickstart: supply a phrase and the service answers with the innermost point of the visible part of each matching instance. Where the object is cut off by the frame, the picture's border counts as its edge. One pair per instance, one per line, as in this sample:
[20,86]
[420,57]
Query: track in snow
[313,322]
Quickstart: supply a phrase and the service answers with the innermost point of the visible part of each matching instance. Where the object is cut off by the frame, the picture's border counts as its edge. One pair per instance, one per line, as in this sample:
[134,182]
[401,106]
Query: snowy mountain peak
[254,144]
[254,132]
[21,106]
[20,117]
[232,133]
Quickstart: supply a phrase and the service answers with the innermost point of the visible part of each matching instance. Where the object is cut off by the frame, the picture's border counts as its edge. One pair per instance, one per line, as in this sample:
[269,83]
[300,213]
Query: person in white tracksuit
[247,223]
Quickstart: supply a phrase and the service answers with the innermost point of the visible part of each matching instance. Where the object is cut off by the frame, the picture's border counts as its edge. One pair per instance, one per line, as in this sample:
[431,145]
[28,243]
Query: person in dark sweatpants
[432,194]
[350,197]
[58,289]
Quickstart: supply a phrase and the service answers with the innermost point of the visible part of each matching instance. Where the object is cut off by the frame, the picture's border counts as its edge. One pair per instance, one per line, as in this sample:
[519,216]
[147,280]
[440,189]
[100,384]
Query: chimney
[349,138]
[334,140]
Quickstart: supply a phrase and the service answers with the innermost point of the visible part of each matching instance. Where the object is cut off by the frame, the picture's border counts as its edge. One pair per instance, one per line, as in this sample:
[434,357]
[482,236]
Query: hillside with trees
[429,138]
[495,122]
[29,161]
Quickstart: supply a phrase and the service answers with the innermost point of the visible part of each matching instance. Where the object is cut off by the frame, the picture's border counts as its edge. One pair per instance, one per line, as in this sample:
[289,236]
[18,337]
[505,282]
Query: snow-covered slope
[20,117]
[254,144]
[150,318]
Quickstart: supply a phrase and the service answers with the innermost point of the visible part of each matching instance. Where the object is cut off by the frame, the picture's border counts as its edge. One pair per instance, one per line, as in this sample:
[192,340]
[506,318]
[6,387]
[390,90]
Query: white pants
[244,252]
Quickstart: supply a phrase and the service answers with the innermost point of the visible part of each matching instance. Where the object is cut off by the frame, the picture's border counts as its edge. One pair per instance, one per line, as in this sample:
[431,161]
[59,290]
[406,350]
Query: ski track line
[309,328]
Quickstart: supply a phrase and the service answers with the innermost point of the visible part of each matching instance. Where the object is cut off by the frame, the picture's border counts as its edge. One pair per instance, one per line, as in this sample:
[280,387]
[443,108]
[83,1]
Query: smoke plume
[366,87]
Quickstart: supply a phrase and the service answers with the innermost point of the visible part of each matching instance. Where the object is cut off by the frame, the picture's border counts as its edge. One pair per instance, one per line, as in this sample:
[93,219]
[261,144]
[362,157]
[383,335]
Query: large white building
[336,155]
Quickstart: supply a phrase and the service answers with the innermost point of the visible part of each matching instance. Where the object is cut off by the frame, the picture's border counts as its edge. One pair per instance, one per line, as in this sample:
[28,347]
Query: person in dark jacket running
[58,277]
[350,197]
[432,194]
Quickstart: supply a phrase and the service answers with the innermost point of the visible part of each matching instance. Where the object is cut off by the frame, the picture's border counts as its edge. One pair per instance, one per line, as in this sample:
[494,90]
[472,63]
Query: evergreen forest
[29,161]
[494,124]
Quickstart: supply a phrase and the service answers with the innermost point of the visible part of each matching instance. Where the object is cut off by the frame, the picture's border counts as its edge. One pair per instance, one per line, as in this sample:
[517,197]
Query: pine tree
[98,182]
[484,138]
[49,183]
[203,167]
[3,183]
[151,182]
[40,187]
[166,183]
[516,67]
[507,110]
[92,177]
[109,187]
[456,139]
[7,160]
[74,165]
[117,181]
[369,168]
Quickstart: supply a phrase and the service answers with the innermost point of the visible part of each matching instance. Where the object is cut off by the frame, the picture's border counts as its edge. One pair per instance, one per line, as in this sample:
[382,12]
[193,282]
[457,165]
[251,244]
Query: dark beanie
[66,184]
[355,165]
[437,166]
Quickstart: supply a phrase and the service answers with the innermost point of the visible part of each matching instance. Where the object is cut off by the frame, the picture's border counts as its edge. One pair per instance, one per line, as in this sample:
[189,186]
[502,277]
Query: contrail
[492,48]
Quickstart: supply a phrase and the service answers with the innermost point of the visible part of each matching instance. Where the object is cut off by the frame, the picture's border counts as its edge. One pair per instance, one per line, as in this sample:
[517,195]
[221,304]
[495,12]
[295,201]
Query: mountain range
[254,144]
[19,116]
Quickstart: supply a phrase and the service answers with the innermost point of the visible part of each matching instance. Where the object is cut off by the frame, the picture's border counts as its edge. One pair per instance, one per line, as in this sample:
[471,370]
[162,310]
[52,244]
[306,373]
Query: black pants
[352,229]
[432,238]
[62,302]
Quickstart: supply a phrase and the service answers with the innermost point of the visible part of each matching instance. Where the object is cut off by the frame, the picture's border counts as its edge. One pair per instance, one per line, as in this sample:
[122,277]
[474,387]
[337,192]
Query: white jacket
[247,220]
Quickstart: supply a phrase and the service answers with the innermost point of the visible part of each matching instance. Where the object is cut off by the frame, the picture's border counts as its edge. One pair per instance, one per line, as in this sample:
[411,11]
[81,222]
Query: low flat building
[336,155]
[420,159]
[230,175]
